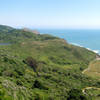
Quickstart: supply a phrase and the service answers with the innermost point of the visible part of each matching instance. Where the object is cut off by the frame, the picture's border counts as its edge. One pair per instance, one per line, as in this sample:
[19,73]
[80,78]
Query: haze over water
[86,38]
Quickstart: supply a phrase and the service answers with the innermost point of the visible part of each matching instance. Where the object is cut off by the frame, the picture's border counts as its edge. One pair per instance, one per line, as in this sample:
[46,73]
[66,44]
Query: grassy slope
[60,69]
[94,69]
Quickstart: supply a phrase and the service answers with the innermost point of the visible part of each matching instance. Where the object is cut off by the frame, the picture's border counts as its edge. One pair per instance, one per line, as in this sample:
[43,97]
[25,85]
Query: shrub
[38,84]
[76,94]
[32,63]
[6,59]
[3,94]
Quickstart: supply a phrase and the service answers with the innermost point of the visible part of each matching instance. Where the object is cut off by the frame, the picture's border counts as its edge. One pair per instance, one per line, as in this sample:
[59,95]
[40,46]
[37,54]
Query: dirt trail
[83,90]
[87,88]
[88,67]
[96,59]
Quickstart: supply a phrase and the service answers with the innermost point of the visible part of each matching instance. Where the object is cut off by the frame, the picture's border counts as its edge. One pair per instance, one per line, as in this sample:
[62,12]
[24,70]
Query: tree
[76,94]
[32,63]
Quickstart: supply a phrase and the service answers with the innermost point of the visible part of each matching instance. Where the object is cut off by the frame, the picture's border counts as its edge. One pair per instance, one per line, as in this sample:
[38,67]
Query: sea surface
[87,38]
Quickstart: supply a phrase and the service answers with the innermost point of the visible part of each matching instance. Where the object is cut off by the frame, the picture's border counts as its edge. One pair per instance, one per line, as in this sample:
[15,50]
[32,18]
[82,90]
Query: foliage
[59,66]
[75,94]
[32,63]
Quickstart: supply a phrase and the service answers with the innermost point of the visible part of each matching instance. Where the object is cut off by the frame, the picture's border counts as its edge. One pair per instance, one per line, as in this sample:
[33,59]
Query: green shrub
[76,94]
[39,85]
[32,63]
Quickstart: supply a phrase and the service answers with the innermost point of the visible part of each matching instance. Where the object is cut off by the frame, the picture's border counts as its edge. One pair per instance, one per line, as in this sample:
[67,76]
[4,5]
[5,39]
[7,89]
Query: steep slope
[42,67]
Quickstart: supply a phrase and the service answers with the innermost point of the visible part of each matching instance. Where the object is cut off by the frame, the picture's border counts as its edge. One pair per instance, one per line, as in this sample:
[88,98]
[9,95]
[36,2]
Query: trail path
[87,88]
[97,58]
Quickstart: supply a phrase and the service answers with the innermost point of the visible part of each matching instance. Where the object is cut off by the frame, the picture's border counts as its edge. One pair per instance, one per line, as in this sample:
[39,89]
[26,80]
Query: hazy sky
[51,13]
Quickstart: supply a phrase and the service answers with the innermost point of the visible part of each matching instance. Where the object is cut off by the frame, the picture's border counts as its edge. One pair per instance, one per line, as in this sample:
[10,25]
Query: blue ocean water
[87,38]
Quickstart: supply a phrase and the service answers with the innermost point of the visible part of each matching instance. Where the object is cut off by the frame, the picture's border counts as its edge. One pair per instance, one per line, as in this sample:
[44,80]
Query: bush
[32,63]
[38,84]
[3,95]
[76,94]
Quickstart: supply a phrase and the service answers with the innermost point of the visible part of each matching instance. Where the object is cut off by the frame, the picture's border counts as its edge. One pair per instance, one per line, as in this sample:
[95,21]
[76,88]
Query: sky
[51,13]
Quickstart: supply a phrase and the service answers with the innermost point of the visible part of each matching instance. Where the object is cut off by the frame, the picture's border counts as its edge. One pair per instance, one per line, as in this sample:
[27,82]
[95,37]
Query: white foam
[76,44]
[95,51]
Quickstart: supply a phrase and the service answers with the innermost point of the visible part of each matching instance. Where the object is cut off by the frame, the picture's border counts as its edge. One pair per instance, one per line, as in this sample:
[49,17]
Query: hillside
[42,67]
[94,69]
[11,35]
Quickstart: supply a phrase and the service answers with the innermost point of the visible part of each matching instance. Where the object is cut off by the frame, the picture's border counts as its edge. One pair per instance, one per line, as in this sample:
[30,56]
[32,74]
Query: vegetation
[42,67]
[76,94]
[93,69]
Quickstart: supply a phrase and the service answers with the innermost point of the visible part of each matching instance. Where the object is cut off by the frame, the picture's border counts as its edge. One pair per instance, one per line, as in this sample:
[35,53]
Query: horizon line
[37,27]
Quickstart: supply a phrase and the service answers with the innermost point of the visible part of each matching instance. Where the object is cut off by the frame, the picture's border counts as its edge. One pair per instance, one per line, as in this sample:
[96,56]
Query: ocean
[89,39]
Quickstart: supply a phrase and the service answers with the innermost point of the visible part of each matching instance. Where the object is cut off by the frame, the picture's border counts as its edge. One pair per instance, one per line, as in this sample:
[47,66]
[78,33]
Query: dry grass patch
[94,69]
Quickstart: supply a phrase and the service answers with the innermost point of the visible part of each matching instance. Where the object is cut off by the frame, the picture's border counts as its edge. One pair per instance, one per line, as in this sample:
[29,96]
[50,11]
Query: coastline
[95,51]
[82,38]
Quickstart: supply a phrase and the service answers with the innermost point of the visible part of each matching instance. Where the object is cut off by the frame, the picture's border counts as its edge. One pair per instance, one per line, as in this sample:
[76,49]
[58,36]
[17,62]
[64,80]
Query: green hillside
[42,67]
[94,69]
[8,34]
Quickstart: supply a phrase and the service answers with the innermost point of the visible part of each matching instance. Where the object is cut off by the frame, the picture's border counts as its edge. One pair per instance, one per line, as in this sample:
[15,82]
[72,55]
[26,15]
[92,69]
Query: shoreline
[95,51]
